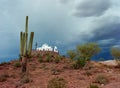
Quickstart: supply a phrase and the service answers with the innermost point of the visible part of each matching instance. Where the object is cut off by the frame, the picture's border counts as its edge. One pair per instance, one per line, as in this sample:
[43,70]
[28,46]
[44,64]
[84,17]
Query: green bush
[48,59]
[79,63]
[88,50]
[93,86]
[25,79]
[115,52]
[57,60]
[83,54]
[40,59]
[75,66]
[57,83]
[17,64]
[71,54]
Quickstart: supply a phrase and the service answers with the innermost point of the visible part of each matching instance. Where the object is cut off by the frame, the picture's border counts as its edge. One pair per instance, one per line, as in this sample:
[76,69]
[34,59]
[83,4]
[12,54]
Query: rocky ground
[39,73]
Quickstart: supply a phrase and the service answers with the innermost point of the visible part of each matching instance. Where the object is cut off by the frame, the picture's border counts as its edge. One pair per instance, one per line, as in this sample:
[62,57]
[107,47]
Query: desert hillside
[40,72]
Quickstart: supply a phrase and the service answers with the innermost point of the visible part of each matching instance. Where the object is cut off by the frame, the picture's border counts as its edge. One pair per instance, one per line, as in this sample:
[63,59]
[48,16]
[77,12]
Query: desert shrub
[40,59]
[48,59]
[88,73]
[93,86]
[38,55]
[74,65]
[71,54]
[57,59]
[3,77]
[17,64]
[79,63]
[57,83]
[3,63]
[43,66]
[47,54]
[87,51]
[101,79]
[116,54]
[60,57]
[25,79]
[89,66]
[83,54]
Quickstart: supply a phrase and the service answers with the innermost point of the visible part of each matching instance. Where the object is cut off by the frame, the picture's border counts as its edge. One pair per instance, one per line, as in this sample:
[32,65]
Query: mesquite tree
[71,54]
[115,52]
[88,50]
[25,47]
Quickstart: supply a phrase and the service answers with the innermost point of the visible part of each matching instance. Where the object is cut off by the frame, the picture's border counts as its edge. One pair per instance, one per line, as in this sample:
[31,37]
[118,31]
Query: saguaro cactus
[25,48]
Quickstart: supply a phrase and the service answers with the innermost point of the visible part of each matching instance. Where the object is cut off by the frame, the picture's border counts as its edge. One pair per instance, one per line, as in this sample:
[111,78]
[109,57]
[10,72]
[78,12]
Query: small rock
[102,85]
[18,84]
[55,73]
[81,78]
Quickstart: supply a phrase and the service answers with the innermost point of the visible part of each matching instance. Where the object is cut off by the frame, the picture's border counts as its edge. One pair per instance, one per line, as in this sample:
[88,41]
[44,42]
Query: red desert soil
[41,73]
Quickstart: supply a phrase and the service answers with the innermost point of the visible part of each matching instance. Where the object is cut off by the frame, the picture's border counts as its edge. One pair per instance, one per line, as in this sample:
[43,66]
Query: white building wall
[45,47]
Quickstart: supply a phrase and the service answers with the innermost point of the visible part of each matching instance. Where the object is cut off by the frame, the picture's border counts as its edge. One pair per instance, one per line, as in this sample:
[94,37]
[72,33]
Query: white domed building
[45,47]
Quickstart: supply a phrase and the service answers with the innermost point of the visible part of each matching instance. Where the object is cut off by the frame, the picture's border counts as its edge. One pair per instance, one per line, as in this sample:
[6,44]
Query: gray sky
[64,23]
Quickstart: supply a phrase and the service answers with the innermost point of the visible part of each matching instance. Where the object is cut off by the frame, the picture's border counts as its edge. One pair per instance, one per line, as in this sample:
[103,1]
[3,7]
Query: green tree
[71,54]
[88,50]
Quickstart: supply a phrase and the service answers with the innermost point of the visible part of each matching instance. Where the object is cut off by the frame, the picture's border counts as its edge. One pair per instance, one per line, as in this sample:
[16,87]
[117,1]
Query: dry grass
[57,83]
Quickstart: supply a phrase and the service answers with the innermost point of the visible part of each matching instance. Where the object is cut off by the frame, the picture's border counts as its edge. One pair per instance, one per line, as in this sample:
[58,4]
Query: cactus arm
[21,41]
[30,43]
[26,26]
[25,43]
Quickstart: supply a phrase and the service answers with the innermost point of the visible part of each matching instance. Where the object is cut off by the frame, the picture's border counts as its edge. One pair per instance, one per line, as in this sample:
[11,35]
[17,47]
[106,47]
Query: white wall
[45,47]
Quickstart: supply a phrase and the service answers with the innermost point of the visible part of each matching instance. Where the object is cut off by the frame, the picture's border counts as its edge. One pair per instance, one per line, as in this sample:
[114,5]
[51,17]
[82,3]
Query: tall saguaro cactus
[25,47]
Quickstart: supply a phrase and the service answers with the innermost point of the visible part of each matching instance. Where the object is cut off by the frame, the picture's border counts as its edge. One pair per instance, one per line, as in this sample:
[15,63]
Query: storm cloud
[64,25]
[88,8]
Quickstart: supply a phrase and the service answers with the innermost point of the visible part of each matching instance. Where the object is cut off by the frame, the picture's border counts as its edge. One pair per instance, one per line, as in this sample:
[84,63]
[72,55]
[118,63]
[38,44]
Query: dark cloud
[53,23]
[88,8]
[109,31]
[107,36]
